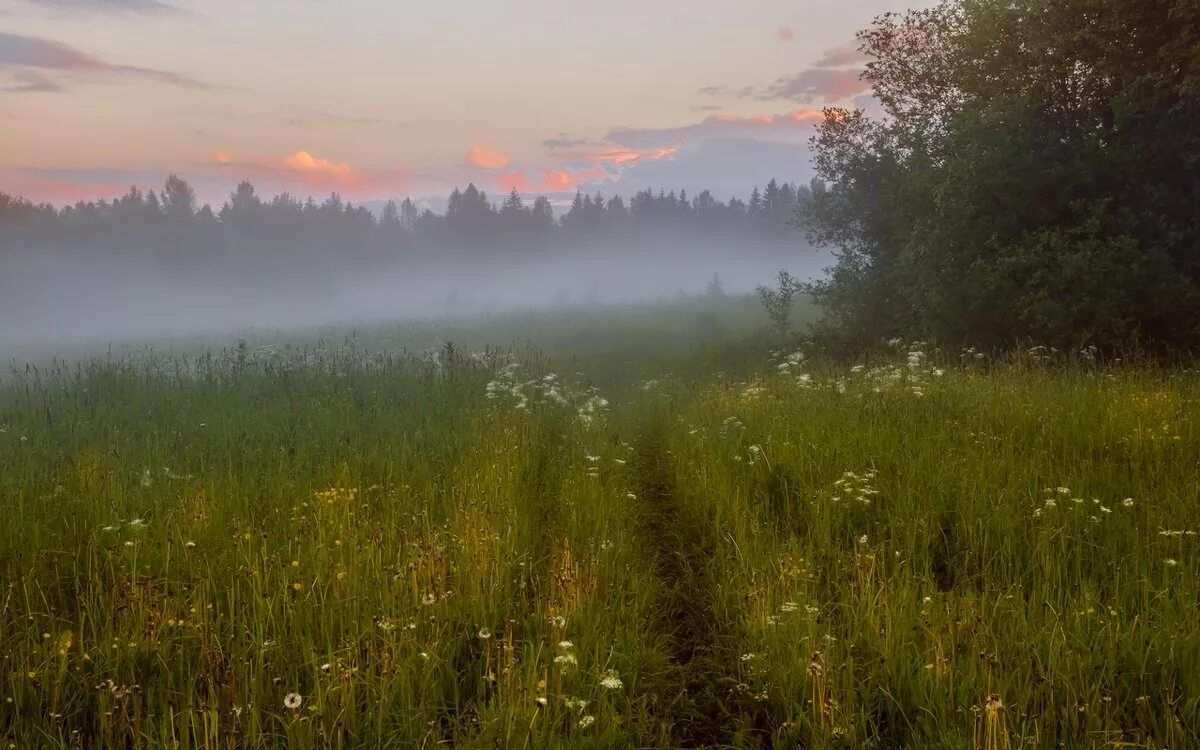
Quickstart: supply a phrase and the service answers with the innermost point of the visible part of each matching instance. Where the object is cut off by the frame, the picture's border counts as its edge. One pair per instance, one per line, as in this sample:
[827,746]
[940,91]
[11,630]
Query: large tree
[1034,175]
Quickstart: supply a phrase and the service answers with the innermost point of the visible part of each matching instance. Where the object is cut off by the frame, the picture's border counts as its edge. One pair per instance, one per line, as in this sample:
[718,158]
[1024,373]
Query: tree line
[170,223]
[1034,176]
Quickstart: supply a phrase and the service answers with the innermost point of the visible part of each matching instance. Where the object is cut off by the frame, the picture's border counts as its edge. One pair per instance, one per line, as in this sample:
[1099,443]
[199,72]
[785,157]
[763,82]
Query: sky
[378,99]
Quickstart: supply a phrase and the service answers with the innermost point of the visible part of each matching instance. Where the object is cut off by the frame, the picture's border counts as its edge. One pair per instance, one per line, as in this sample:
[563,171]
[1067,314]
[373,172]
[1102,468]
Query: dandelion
[611,680]
[292,701]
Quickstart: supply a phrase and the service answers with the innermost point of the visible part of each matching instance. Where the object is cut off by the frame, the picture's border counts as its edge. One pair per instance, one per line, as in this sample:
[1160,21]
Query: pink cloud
[487,158]
[303,168]
[818,84]
[513,180]
[791,125]
[785,34]
[551,180]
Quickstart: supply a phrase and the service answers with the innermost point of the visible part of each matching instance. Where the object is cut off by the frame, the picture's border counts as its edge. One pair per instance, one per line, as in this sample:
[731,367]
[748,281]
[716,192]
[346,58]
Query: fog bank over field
[49,300]
[156,265]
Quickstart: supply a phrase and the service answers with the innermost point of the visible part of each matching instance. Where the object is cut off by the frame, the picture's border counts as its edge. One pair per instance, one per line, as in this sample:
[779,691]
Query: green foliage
[778,301]
[1035,175]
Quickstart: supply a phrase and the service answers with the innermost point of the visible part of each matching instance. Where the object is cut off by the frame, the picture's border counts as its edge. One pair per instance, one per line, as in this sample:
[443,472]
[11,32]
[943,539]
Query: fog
[50,302]
[141,267]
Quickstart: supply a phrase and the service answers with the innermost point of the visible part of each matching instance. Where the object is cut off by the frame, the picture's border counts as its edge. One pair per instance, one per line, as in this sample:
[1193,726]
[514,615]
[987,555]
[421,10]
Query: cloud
[487,158]
[27,82]
[109,6]
[785,34]
[817,84]
[304,169]
[744,92]
[841,57]
[788,126]
[565,141]
[726,166]
[552,180]
[836,76]
[515,180]
[21,53]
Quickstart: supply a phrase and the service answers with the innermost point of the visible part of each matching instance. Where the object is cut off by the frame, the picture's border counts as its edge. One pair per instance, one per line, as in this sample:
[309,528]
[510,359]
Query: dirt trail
[700,697]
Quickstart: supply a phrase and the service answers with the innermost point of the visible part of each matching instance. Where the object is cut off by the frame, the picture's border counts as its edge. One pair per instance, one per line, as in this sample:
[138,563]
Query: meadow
[647,528]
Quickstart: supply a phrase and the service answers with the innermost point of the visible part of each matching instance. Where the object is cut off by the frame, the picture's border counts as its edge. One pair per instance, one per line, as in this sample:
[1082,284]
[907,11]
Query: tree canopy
[1034,174]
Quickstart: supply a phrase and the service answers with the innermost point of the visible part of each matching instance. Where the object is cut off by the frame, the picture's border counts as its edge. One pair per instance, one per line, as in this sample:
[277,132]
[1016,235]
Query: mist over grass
[51,302]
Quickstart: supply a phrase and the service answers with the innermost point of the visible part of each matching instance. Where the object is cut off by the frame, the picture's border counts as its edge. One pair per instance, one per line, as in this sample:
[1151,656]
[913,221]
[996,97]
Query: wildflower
[566,645]
[611,680]
[189,545]
[586,721]
[484,634]
[994,703]
[1127,502]
[862,539]
[292,701]
[1171,562]
[326,667]
[566,660]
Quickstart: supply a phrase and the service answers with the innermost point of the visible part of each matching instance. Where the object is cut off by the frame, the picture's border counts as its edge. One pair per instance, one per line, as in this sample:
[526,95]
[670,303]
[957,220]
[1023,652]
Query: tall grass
[326,548]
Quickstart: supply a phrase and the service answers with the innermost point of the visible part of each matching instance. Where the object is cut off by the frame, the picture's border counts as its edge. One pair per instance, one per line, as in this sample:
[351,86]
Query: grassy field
[626,529]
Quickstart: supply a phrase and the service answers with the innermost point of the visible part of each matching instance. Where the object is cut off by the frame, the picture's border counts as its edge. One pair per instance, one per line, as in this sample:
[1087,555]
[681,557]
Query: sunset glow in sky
[377,99]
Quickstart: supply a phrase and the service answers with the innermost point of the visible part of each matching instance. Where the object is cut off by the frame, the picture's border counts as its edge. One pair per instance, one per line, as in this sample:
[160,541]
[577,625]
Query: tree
[1036,175]
[179,200]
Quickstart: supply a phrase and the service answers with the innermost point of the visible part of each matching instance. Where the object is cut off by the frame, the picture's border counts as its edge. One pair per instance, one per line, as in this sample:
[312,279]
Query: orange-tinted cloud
[552,180]
[304,168]
[487,158]
[785,34]
[513,180]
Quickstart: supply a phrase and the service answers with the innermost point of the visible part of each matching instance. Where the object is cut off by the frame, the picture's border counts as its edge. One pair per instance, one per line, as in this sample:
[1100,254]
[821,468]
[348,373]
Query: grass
[675,540]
